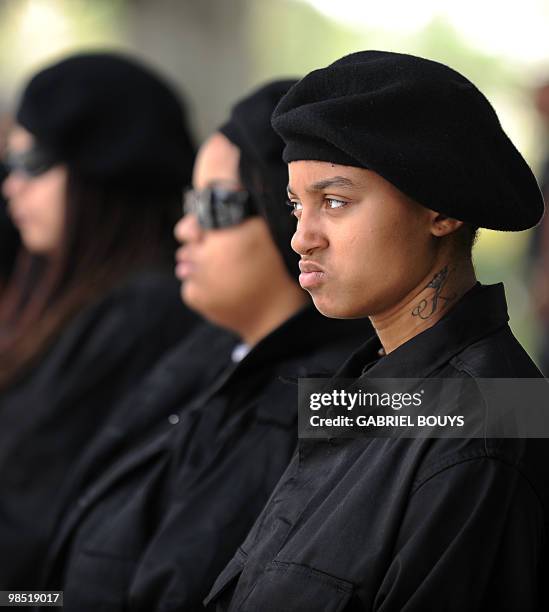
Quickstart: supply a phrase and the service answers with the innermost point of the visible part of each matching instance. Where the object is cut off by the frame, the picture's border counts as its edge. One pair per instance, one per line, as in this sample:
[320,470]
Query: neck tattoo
[422,310]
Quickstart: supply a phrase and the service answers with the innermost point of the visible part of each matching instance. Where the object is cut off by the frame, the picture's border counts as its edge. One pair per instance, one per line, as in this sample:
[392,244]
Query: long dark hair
[109,233]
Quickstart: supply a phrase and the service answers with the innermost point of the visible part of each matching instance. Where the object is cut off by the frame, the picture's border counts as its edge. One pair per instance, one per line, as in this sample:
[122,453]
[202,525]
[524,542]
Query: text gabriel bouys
[400,420]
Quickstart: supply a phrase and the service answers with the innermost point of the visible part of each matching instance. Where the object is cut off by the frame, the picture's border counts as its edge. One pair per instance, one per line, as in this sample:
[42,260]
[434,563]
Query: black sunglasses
[30,163]
[218,207]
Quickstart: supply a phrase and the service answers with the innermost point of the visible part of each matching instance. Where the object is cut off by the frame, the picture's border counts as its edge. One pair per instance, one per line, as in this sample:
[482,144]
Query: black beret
[263,171]
[111,119]
[420,125]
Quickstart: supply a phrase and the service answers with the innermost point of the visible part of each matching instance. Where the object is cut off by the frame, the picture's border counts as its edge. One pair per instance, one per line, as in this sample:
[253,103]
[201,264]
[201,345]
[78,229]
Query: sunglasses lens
[31,163]
[216,208]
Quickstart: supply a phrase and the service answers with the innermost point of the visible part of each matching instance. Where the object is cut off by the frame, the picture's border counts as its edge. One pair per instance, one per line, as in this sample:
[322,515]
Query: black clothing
[261,168]
[407,524]
[420,125]
[9,236]
[112,118]
[152,407]
[156,528]
[50,416]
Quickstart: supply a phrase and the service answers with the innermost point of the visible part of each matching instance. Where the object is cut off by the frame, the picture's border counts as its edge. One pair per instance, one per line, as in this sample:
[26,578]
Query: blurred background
[214,51]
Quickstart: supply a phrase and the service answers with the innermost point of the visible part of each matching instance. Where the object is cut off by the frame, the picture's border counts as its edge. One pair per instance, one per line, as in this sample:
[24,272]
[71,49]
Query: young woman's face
[36,203]
[364,244]
[228,274]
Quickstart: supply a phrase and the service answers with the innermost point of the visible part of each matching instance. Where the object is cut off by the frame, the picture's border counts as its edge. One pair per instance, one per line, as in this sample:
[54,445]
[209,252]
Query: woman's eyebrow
[333,181]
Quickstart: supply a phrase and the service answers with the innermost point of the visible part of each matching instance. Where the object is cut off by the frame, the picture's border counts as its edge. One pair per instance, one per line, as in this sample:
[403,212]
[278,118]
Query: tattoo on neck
[437,283]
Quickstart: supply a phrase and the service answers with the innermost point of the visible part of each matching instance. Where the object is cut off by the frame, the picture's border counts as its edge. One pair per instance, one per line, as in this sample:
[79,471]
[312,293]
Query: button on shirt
[407,524]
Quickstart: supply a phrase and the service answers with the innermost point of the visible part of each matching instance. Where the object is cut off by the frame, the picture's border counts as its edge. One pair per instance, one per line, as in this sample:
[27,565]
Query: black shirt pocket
[289,587]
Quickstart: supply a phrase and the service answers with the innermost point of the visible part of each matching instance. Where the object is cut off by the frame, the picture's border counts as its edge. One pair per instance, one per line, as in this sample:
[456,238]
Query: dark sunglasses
[218,207]
[30,163]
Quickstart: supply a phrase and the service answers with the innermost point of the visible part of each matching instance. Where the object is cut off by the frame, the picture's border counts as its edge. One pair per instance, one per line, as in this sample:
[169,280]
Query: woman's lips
[184,267]
[312,275]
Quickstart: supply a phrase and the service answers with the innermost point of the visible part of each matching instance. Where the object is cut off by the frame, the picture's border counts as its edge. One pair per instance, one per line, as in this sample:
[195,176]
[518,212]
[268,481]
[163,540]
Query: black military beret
[420,125]
[110,118]
[265,173]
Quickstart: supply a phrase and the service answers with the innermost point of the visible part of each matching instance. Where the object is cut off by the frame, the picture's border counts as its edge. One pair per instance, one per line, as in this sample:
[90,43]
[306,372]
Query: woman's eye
[295,207]
[334,203]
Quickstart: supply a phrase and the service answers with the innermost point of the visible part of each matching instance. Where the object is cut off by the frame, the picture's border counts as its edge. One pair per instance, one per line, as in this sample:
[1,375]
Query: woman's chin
[336,309]
[191,297]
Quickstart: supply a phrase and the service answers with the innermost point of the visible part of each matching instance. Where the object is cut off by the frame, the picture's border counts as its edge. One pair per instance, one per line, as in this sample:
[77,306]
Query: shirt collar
[294,342]
[479,313]
[301,334]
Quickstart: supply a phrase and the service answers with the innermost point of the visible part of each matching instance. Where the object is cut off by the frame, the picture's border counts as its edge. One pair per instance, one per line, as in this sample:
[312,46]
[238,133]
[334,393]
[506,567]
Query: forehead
[307,175]
[217,162]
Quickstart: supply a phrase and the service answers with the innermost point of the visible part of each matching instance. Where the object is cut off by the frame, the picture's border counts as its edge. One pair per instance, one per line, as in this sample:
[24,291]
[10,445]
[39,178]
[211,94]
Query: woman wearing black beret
[154,528]
[394,161]
[97,160]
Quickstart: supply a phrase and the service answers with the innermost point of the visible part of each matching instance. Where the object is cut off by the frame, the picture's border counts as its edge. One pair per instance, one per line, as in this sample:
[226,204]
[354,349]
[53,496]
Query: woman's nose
[187,229]
[308,236]
[12,185]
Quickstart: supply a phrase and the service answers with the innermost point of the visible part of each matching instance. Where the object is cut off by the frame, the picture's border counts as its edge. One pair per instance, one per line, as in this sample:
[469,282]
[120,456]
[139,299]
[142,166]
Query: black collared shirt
[154,530]
[407,524]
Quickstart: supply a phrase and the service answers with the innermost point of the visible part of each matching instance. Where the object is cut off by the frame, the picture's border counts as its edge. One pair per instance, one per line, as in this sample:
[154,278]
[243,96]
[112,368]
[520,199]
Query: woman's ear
[442,225]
